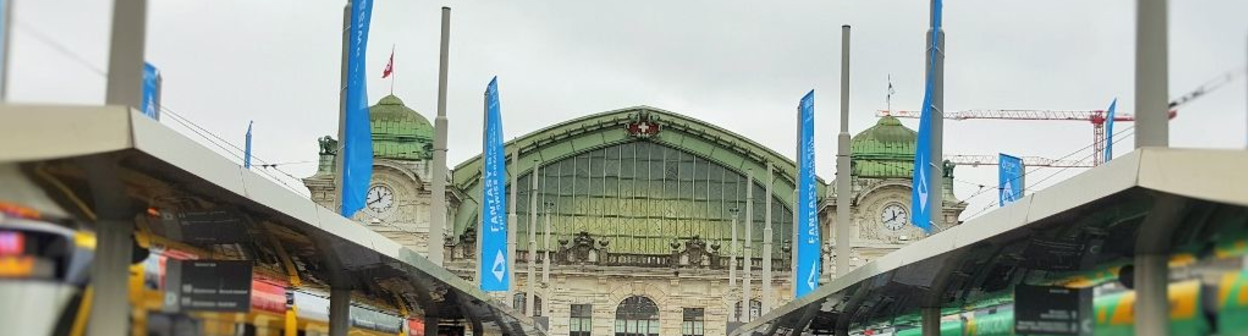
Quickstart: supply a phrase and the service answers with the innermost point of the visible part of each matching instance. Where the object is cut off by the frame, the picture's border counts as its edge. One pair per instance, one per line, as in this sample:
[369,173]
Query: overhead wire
[1125,132]
[46,39]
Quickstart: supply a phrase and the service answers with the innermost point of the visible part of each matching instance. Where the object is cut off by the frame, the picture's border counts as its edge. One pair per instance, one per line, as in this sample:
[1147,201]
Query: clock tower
[882,168]
[397,204]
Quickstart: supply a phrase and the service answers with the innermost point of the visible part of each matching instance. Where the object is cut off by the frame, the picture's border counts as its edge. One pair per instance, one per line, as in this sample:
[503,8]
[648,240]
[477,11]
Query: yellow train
[1195,309]
[44,273]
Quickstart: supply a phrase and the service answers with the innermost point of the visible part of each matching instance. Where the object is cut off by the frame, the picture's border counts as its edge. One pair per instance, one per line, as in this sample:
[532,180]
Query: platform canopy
[1154,200]
[162,171]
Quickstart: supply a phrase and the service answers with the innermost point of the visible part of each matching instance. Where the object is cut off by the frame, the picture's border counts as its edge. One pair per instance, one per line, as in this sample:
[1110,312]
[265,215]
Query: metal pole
[937,71]
[339,311]
[1151,129]
[438,210]
[768,237]
[532,260]
[732,263]
[1152,118]
[796,227]
[747,292]
[485,115]
[342,106]
[546,261]
[7,35]
[844,191]
[512,224]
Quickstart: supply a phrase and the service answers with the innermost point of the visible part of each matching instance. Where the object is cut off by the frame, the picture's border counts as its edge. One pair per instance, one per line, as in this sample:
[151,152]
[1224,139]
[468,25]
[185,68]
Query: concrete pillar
[110,268]
[930,321]
[431,325]
[1152,96]
[1152,308]
[126,50]
[438,208]
[478,328]
[339,311]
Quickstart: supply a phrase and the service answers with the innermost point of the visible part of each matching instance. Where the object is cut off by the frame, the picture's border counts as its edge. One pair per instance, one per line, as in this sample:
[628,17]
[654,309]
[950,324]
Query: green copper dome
[399,132]
[884,150]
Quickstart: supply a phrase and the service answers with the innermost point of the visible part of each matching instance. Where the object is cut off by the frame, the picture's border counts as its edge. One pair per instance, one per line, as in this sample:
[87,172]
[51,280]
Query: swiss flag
[389,66]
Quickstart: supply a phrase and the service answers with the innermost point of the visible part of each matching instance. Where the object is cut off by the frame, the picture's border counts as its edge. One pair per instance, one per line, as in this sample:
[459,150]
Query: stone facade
[588,269]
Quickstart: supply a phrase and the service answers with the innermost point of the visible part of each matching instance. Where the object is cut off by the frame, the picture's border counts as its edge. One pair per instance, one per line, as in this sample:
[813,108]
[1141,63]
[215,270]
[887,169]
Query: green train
[1195,309]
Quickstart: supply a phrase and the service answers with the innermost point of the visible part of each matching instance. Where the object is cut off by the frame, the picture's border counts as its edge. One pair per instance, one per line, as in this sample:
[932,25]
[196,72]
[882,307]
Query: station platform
[141,188]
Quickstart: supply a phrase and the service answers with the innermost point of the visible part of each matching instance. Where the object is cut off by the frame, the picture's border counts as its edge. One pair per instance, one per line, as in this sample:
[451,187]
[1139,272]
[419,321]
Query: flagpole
[936,197]
[844,188]
[247,145]
[437,220]
[392,74]
[342,107]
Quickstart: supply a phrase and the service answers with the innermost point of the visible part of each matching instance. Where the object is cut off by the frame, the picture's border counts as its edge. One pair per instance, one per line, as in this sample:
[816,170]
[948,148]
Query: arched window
[519,303]
[647,193]
[756,310]
[637,316]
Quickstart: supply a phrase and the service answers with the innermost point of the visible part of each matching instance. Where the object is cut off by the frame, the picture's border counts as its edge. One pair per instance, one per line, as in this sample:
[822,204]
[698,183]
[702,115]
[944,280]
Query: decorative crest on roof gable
[643,125]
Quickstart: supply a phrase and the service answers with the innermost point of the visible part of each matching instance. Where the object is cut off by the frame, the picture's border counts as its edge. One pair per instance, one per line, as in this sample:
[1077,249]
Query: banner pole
[438,209]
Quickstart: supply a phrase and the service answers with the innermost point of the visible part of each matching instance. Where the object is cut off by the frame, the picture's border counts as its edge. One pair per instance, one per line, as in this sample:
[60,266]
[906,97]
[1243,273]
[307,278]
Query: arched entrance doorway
[637,316]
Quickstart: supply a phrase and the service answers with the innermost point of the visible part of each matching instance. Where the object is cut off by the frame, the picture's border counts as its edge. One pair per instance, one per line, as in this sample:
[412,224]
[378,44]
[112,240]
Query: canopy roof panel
[162,169]
[1105,216]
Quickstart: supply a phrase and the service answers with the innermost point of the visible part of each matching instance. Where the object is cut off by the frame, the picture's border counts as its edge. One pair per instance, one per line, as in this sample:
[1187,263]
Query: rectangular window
[581,323]
[694,322]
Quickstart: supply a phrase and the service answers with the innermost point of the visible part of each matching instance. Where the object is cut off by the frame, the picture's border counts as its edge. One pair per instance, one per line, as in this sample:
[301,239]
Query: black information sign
[208,285]
[206,227]
[1052,310]
[1053,255]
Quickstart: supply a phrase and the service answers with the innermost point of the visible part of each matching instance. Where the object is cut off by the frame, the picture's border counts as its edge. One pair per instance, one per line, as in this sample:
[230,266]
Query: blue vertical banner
[1109,130]
[151,91]
[808,259]
[247,148]
[495,277]
[1010,176]
[923,182]
[357,148]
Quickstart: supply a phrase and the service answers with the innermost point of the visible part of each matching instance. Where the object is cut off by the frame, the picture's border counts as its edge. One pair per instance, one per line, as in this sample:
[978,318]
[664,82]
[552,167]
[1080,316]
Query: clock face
[380,199]
[894,217]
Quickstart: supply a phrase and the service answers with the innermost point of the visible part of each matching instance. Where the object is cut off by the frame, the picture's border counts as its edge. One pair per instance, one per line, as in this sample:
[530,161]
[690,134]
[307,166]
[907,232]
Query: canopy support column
[1152,273]
[930,321]
[339,311]
[110,269]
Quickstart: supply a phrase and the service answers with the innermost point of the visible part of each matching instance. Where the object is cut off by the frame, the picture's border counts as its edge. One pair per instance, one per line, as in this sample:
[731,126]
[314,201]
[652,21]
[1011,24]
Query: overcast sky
[737,64]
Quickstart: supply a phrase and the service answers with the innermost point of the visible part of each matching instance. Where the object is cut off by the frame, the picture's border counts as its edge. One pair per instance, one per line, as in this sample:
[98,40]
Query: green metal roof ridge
[782,164]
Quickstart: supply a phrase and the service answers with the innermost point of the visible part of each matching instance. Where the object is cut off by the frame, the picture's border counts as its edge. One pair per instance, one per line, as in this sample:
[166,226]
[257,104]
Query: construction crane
[1096,117]
[1029,161]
